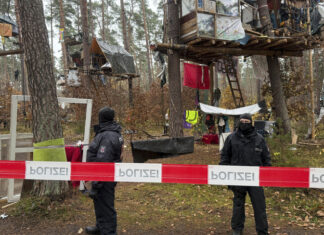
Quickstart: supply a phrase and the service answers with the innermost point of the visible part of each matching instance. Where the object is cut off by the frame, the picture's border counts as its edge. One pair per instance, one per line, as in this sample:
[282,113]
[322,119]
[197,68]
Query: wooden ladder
[233,81]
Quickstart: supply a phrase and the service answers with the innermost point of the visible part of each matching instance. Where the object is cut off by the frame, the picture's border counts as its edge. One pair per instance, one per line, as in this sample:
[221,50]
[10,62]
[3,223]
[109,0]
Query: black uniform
[106,147]
[245,147]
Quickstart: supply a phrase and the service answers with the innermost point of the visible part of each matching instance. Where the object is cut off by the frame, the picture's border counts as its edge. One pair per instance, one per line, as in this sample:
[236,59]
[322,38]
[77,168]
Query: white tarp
[73,79]
[251,109]
[229,28]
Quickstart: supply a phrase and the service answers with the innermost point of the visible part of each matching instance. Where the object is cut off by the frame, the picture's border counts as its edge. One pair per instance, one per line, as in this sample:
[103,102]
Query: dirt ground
[149,209]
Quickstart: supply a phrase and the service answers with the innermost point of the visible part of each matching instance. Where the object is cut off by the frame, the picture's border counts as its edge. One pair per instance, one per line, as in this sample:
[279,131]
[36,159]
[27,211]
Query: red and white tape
[165,173]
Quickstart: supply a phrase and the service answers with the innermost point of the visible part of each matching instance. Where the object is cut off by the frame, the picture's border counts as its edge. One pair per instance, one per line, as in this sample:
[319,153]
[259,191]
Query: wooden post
[211,84]
[311,75]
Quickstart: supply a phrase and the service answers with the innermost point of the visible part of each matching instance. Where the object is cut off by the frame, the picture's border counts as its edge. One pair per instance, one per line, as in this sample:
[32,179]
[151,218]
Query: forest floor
[178,208]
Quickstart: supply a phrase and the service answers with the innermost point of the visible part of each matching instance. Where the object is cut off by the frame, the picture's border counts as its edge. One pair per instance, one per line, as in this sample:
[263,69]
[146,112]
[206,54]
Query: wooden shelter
[210,30]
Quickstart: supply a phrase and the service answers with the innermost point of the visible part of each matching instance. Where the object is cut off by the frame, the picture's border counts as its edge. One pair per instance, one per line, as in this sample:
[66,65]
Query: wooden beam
[11,52]
[261,44]
[227,51]
[292,45]
[250,43]
[276,43]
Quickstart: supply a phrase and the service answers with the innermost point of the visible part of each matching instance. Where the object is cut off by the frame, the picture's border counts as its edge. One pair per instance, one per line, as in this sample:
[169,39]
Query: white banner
[138,172]
[316,177]
[251,109]
[48,170]
[233,175]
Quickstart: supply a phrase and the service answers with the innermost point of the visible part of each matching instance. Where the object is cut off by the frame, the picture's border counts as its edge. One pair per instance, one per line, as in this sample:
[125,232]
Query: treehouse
[212,29]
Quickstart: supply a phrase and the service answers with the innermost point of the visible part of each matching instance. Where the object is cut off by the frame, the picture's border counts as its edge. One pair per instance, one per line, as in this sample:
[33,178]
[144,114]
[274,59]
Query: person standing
[221,125]
[245,147]
[106,147]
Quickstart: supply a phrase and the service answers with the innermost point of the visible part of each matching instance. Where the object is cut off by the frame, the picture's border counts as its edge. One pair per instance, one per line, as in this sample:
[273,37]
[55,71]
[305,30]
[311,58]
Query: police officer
[245,147]
[106,147]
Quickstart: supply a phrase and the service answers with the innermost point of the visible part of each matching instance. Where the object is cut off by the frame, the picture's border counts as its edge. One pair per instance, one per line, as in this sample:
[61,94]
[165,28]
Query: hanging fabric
[196,76]
[192,116]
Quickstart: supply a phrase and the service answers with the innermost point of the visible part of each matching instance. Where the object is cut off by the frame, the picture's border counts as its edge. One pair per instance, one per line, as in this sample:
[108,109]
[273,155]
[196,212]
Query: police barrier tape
[165,173]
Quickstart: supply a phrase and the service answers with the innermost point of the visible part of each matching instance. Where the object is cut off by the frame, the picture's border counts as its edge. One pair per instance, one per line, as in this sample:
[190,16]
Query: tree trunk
[62,27]
[147,39]
[85,44]
[91,19]
[42,86]
[126,46]
[103,19]
[278,95]
[52,34]
[174,72]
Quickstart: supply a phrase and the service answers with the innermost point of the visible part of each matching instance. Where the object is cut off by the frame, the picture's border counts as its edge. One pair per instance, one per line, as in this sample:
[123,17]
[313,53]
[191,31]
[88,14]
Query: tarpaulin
[196,76]
[142,150]
[229,28]
[251,109]
[317,17]
[50,150]
[121,61]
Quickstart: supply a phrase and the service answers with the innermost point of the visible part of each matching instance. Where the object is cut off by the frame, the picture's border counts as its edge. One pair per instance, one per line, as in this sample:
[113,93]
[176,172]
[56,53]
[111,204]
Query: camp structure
[111,60]
[210,29]
[8,28]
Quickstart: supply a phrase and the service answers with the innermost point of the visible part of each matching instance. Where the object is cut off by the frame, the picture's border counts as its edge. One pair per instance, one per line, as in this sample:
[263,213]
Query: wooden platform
[204,50]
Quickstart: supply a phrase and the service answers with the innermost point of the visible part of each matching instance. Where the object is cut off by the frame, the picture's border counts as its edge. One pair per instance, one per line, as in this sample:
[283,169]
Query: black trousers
[104,204]
[258,202]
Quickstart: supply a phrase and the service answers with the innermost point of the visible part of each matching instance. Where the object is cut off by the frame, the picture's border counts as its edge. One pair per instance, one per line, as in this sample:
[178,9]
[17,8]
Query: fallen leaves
[320,213]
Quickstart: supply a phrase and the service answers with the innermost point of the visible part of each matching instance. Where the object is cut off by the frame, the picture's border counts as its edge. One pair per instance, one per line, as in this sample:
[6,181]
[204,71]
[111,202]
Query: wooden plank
[187,31]
[262,44]
[251,43]
[292,45]
[195,41]
[189,24]
[276,43]
[188,17]
[209,43]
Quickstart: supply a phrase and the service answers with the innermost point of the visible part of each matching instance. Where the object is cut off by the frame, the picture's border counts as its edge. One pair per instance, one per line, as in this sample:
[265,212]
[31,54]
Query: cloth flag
[196,76]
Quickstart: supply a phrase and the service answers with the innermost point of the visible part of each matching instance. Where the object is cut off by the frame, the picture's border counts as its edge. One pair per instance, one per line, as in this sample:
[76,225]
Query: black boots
[237,232]
[92,230]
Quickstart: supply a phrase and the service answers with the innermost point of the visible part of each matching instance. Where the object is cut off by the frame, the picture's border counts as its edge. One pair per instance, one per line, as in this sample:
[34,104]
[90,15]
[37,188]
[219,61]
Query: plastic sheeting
[187,6]
[73,79]
[143,150]
[317,17]
[229,28]
[206,25]
[121,61]
[227,7]
[251,109]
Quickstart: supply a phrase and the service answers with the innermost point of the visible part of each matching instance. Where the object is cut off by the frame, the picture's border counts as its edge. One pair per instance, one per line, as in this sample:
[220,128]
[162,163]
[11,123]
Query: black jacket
[107,144]
[250,150]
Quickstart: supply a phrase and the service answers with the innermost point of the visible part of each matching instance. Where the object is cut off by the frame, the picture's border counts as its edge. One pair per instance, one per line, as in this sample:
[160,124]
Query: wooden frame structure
[13,133]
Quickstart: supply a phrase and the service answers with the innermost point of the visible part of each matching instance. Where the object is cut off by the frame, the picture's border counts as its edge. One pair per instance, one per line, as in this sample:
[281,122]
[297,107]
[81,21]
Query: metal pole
[311,74]
[12,146]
